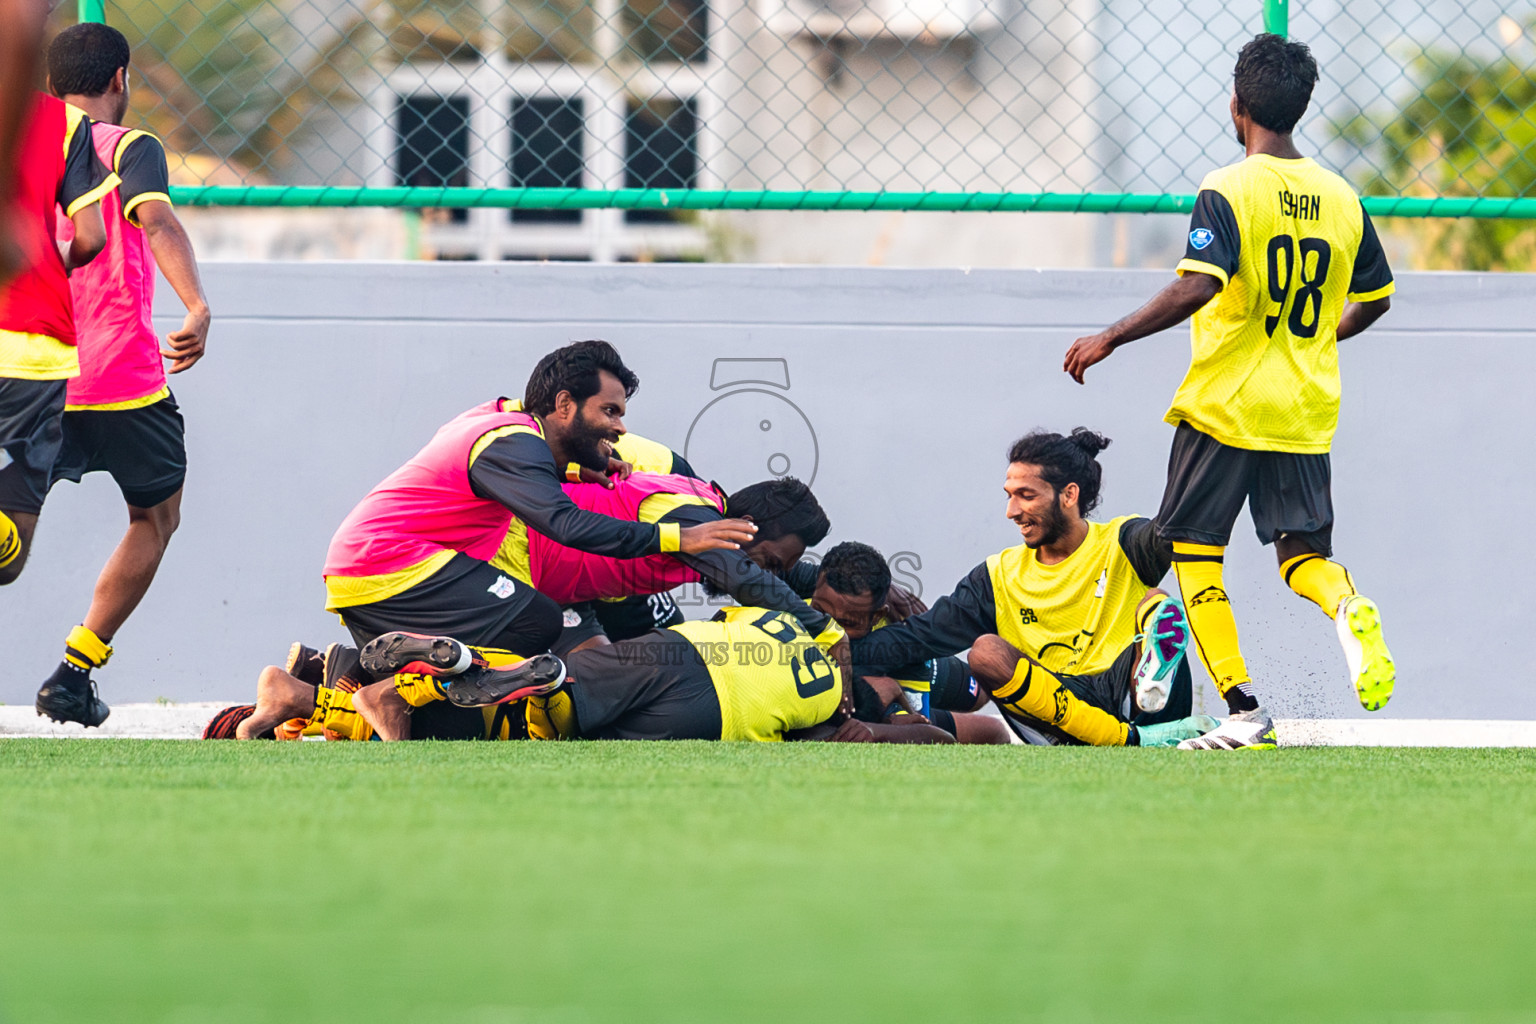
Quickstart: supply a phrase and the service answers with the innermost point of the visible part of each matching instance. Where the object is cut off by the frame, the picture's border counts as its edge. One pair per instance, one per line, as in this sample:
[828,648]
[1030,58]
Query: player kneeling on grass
[1068,632]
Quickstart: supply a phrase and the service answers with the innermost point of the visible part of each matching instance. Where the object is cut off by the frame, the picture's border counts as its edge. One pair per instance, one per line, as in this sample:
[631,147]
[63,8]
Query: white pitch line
[186,721]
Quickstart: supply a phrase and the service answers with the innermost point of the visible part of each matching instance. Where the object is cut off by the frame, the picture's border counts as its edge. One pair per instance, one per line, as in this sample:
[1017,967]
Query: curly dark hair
[781,507]
[853,568]
[83,58]
[576,368]
[1274,79]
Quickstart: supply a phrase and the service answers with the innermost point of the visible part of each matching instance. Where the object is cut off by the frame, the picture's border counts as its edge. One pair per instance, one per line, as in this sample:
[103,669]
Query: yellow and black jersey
[1290,243]
[770,675]
[1073,617]
[649,456]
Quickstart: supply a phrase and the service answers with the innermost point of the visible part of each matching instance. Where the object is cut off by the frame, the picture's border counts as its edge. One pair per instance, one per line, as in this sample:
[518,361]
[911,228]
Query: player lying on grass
[1282,264]
[1068,632]
[751,674]
[852,585]
[416,553]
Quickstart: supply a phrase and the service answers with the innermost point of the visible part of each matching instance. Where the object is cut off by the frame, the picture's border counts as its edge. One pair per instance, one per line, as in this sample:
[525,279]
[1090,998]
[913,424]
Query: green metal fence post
[1277,16]
[92,10]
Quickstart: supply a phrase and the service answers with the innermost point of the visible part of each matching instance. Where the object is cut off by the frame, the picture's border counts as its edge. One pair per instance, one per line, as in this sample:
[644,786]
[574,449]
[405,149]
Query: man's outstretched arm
[1180,300]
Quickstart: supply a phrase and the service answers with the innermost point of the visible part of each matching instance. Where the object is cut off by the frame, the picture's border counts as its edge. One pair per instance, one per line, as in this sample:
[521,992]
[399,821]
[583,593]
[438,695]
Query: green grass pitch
[480,883]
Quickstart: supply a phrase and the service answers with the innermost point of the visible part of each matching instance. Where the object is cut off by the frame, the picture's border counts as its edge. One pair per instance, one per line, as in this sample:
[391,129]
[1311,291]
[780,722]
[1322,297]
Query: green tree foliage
[1468,130]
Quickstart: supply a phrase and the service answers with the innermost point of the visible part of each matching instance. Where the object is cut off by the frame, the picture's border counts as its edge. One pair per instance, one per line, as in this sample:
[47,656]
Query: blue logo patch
[1201,237]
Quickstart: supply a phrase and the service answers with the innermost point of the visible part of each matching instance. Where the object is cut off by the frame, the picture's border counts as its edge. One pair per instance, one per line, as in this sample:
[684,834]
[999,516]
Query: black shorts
[953,689]
[441,720]
[577,625]
[1110,690]
[636,616]
[654,687]
[1208,482]
[464,599]
[144,449]
[31,434]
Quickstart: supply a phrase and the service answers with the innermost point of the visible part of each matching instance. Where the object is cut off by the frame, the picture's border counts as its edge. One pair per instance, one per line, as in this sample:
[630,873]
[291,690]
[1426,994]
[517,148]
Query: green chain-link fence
[550,106]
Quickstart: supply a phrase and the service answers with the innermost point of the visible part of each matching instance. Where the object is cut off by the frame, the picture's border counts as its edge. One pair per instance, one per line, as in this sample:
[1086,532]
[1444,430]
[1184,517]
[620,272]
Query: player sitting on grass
[752,674]
[1068,632]
[416,553]
[851,586]
[1282,264]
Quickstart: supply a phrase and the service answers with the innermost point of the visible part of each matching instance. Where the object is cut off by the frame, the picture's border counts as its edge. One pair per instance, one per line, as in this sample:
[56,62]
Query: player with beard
[415,554]
[1068,631]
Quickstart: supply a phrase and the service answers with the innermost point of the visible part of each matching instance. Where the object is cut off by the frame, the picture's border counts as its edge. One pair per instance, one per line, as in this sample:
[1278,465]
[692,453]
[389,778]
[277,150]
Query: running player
[852,585]
[416,553]
[1282,263]
[120,416]
[1068,633]
[58,167]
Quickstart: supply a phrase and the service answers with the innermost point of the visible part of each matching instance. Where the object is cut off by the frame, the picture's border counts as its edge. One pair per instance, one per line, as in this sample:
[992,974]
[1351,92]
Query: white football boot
[1251,730]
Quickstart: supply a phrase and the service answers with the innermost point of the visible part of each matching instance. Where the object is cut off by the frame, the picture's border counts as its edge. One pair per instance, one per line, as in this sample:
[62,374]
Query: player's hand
[619,468]
[901,604]
[852,731]
[185,346]
[907,718]
[729,534]
[886,688]
[1085,352]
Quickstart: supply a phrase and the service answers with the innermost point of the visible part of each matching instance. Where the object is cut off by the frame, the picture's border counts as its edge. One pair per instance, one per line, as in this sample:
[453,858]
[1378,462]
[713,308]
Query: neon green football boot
[1371,668]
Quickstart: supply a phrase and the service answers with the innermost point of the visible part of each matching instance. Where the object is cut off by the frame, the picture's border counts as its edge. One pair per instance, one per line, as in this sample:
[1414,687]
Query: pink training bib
[114,295]
[568,575]
[427,505]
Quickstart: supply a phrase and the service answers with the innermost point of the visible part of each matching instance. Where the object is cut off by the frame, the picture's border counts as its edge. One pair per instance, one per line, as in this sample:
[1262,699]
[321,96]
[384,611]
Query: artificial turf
[170,881]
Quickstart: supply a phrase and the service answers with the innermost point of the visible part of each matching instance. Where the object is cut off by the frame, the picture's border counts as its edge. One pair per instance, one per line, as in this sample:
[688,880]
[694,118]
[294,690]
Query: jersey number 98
[1283,266]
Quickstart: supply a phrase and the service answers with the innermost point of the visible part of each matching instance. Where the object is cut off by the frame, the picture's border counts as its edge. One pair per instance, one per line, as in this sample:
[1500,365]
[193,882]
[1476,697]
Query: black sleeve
[737,575]
[1371,271]
[142,168]
[1214,236]
[681,468]
[950,626]
[84,173]
[1149,554]
[801,578]
[519,471]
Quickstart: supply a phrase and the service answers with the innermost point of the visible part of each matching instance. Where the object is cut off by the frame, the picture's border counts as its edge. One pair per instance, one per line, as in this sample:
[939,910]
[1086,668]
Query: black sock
[1240,698]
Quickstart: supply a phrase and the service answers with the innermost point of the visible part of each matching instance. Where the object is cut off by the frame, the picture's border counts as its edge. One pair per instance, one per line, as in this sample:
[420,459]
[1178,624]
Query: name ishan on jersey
[1300,207]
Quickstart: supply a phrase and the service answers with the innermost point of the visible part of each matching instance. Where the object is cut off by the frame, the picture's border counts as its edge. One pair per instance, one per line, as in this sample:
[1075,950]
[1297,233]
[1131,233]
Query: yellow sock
[1035,693]
[418,688]
[1198,567]
[552,716]
[497,657]
[10,540]
[1320,581]
[338,717]
[84,649]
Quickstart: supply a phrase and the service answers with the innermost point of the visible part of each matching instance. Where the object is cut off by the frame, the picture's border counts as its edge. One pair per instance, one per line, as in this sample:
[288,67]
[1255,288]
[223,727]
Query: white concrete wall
[323,377]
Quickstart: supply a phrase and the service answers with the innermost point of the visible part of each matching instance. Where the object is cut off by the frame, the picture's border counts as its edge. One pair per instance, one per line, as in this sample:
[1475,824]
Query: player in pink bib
[119,415]
[440,546]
